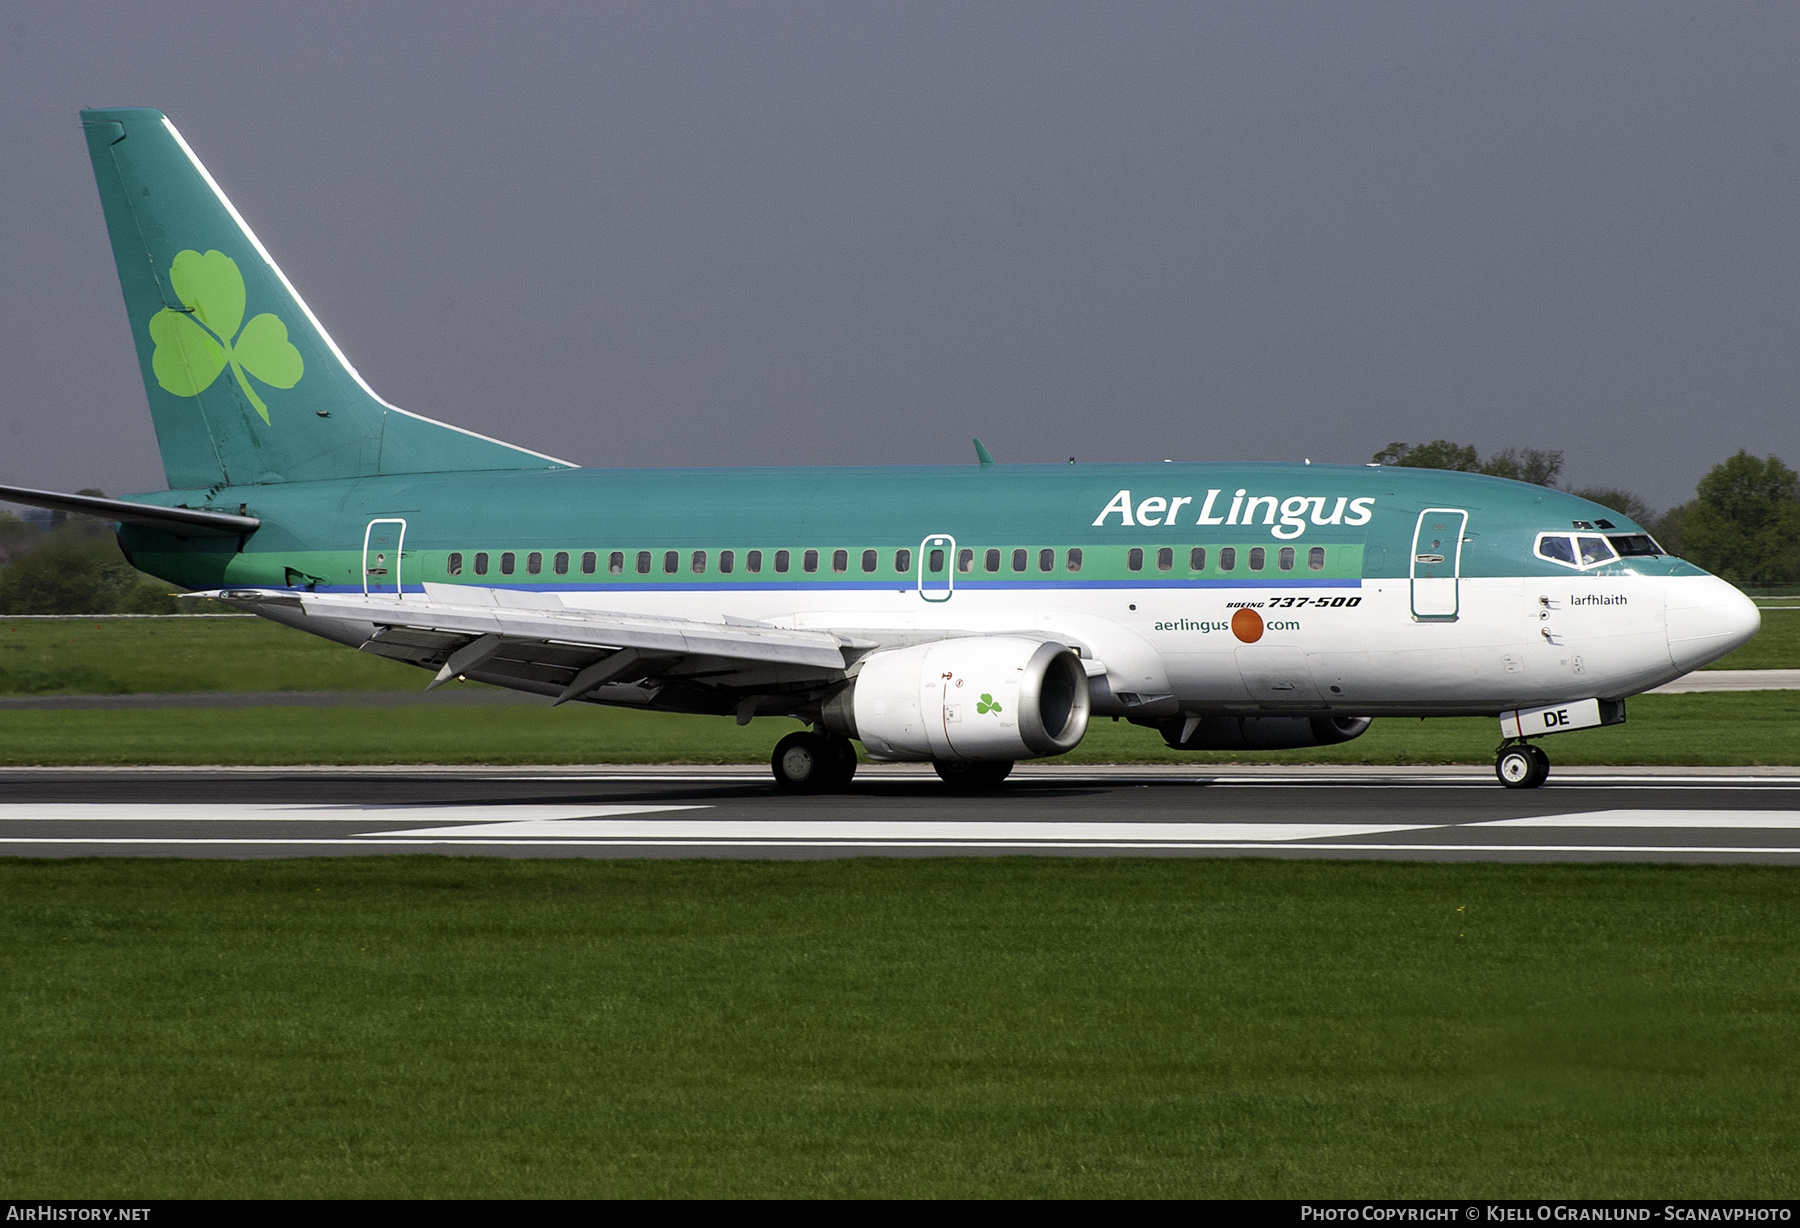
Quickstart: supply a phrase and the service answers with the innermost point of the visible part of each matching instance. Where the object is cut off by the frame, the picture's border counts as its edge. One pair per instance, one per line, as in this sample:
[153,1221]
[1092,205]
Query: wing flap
[584,631]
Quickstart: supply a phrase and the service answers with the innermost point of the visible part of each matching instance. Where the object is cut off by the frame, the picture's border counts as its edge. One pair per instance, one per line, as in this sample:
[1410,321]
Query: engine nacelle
[1262,732]
[976,697]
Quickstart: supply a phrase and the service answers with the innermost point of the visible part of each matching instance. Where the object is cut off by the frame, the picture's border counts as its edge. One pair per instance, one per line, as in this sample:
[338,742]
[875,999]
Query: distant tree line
[1743,522]
[72,565]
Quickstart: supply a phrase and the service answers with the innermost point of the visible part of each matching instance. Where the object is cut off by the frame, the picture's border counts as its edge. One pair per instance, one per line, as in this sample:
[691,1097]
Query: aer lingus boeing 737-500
[968,616]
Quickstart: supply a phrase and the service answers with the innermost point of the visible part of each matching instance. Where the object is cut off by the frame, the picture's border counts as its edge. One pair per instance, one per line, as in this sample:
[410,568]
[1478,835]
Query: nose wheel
[1522,766]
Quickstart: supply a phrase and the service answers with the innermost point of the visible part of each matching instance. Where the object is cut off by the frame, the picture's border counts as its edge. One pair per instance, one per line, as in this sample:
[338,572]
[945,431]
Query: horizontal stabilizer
[190,521]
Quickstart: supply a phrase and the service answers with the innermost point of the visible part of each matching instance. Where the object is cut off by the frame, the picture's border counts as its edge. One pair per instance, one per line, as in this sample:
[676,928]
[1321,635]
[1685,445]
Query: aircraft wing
[531,641]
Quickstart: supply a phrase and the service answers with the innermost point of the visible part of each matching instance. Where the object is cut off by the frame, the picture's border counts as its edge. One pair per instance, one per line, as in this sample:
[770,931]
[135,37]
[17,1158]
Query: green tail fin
[244,383]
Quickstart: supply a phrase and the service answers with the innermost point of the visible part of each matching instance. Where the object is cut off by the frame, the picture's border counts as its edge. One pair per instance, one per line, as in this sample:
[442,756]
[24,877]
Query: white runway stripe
[811,832]
[1023,845]
[279,812]
[1697,819]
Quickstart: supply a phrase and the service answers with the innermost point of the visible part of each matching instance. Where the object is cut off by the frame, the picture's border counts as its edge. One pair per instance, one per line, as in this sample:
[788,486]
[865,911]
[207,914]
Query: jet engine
[1260,732]
[982,697]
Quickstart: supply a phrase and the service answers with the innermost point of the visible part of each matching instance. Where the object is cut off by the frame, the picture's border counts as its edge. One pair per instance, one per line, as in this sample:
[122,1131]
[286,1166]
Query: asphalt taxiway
[1584,814]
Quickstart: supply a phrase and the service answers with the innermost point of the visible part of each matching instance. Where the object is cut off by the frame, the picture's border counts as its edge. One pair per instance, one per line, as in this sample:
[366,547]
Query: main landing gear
[1522,766]
[825,763]
[813,763]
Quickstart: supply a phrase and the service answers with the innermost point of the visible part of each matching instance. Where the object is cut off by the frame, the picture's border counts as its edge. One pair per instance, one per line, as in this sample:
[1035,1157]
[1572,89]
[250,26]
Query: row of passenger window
[1285,558]
[1134,559]
[726,561]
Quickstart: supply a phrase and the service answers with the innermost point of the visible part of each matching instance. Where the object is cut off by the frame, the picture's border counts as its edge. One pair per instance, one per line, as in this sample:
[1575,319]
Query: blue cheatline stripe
[891,586]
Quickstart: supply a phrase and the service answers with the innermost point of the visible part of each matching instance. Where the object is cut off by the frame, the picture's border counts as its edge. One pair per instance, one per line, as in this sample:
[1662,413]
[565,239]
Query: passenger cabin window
[454,566]
[991,560]
[1074,559]
[1315,559]
[903,561]
[1165,559]
[840,560]
[1284,558]
[1258,556]
[1228,558]
[870,560]
[809,562]
[1197,559]
[698,563]
[1134,559]
[1046,560]
[506,563]
[561,563]
[615,563]
[1019,560]
[671,562]
[781,560]
[727,560]
[643,562]
[934,563]
[965,560]
[753,562]
[534,562]
[590,562]
[481,563]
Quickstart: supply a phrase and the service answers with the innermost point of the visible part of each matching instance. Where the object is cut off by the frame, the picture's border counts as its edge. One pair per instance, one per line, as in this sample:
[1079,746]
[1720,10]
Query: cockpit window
[1584,550]
[1636,545]
[1595,550]
[1556,548]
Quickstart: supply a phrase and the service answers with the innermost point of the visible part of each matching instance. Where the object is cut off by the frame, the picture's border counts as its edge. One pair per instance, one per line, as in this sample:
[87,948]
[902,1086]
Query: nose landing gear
[1522,765]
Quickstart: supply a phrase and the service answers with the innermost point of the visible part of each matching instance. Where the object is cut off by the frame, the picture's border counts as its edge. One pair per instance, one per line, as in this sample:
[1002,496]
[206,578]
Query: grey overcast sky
[728,234]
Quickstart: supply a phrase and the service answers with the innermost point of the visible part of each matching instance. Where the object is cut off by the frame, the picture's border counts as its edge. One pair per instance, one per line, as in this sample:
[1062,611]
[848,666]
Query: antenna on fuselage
[982,455]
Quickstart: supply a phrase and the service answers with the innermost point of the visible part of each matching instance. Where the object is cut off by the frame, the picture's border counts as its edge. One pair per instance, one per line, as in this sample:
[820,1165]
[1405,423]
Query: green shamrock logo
[193,346]
[986,705]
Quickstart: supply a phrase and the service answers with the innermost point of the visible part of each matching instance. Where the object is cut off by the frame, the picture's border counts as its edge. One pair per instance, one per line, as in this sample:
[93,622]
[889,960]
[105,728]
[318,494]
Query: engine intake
[980,697]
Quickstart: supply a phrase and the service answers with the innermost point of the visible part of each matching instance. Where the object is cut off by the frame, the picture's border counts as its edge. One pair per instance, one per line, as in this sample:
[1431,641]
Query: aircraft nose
[1708,618]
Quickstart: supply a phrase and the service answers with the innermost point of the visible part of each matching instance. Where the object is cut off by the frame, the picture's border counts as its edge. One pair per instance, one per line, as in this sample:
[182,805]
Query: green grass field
[136,656]
[957,1027]
[124,656]
[1739,729]
[185,655]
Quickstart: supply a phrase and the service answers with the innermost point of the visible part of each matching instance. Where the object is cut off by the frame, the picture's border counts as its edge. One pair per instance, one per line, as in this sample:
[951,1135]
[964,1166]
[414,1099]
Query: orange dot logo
[1247,625]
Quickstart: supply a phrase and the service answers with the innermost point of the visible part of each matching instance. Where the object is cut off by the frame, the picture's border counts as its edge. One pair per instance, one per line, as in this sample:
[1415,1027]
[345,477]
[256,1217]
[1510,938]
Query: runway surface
[1419,814]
